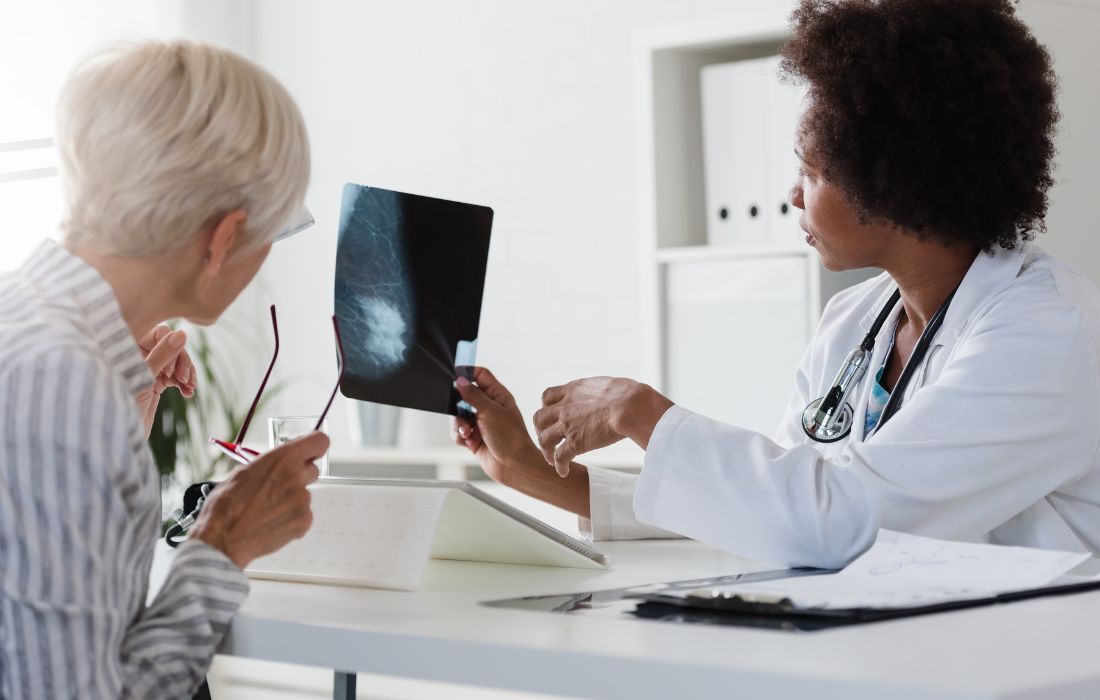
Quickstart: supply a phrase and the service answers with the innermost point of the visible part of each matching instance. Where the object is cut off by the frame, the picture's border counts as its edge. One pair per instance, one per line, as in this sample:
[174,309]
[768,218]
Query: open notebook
[380,533]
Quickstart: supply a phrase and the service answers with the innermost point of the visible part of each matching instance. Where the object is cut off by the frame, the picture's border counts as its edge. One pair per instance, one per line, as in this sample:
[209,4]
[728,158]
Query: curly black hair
[936,115]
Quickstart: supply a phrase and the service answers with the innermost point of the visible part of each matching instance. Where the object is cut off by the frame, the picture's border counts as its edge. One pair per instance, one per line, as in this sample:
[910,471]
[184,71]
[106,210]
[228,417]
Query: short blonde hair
[159,140]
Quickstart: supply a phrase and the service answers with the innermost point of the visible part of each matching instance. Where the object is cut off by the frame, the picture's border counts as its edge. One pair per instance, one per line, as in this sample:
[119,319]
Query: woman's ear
[220,240]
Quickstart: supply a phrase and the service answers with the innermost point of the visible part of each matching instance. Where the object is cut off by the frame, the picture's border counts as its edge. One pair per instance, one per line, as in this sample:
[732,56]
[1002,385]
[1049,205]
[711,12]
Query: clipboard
[899,575]
[782,612]
[669,602]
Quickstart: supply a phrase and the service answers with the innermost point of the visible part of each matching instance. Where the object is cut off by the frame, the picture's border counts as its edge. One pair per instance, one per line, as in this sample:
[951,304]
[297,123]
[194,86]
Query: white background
[527,107]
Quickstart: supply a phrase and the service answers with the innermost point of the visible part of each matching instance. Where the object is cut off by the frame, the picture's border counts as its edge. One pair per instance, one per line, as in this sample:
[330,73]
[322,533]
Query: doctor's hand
[588,414]
[263,505]
[498,437]
[499,440]
[166,356]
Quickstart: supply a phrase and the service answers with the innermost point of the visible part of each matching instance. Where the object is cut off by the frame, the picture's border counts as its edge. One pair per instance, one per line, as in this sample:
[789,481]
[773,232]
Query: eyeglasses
[237,451]
[301,220]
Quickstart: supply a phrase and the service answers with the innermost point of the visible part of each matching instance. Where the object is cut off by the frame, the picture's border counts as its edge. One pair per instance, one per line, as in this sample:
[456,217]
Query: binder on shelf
[784,107]
[735,153]
[749,123]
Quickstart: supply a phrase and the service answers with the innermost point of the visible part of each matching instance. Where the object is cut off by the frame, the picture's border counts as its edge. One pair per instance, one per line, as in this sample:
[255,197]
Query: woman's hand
[498,438]
[588,414]
[170,364]
[264,504]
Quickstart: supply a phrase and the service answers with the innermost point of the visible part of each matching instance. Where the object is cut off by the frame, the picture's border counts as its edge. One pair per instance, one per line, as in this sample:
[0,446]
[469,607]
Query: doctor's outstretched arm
[1009,421]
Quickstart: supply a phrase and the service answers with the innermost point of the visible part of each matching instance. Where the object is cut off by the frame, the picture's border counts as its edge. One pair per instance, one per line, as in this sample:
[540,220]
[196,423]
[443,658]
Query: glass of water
[286,428]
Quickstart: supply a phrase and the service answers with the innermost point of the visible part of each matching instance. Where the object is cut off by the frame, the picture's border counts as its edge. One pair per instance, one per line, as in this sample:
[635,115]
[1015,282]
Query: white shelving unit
[733,356]
[696,253]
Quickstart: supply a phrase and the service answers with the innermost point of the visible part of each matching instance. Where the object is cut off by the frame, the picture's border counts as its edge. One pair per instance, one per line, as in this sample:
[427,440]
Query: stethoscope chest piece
[830,418]
[829,431]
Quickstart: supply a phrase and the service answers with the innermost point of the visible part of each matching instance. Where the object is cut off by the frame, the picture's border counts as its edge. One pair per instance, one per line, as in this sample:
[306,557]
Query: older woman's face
[831,224]
[231,279]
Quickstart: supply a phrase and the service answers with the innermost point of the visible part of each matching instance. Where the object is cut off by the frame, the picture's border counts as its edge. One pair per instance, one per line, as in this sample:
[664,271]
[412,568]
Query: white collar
[988,274]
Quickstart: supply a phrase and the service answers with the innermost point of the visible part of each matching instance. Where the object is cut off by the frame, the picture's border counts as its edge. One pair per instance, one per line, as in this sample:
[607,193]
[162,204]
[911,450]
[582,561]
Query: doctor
[926,146]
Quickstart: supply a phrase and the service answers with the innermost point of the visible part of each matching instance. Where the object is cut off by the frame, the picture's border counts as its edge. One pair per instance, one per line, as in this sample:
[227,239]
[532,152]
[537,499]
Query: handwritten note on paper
[902,570]
[379,537]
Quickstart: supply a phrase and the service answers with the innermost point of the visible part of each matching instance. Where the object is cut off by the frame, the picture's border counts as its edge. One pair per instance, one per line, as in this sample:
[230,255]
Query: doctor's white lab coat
[996,440]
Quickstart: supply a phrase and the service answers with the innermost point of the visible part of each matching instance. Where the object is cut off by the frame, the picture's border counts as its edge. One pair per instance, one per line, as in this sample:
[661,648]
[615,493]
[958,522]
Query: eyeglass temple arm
[263,384]
[339,370]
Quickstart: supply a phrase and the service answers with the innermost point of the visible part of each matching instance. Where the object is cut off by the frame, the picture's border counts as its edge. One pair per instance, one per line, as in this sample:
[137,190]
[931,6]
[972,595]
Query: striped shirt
[80,506]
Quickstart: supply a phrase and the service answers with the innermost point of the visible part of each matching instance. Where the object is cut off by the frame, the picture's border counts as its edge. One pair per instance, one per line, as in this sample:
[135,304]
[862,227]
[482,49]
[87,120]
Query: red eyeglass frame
[237,451]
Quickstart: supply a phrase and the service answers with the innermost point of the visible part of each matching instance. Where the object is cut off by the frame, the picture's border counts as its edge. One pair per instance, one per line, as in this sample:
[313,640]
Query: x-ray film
[410,273]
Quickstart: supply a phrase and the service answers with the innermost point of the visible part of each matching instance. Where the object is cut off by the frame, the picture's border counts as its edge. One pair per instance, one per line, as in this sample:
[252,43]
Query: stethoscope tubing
[834,404]
[924,343]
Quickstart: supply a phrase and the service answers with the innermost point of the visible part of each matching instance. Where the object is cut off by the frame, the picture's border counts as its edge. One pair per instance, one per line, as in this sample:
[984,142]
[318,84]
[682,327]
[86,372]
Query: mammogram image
[410,273]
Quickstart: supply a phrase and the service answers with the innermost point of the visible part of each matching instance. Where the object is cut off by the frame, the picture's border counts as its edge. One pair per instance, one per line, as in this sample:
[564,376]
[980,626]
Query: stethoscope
[830,418]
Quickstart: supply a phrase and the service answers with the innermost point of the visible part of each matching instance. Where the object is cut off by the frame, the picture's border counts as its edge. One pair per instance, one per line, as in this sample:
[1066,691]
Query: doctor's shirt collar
[989,273]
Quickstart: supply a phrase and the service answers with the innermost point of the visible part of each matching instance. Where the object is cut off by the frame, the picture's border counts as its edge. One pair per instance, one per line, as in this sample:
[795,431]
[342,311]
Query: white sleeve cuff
[657,460]
[611,501]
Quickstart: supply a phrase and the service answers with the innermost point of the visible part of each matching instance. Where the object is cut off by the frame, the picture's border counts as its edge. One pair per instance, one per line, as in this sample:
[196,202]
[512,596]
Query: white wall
[527,107]
[39,43]
[1069,29]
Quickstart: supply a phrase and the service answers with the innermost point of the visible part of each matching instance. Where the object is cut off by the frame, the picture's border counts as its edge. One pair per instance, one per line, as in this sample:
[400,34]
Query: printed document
[902,571]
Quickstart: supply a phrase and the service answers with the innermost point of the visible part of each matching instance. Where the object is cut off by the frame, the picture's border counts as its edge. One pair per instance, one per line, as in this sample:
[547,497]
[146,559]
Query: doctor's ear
[221,237]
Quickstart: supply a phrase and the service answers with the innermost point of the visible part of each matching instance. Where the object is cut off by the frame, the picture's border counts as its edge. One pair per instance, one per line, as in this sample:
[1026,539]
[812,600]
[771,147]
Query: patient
[181,163]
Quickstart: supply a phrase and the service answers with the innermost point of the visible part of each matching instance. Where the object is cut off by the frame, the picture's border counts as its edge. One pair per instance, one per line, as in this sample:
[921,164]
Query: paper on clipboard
[902,571]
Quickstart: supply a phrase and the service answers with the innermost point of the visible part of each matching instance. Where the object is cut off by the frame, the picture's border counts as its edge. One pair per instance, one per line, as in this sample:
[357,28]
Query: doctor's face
[831,223]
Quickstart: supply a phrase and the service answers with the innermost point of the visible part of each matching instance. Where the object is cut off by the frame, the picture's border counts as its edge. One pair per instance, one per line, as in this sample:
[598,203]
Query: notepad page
[902,570]
[376,536]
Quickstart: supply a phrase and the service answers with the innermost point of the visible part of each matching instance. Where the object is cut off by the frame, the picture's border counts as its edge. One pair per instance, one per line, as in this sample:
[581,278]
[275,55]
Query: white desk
[1045,648]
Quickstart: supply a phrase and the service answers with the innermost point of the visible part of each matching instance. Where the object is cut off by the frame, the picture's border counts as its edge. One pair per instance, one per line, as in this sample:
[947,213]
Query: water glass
[286,428]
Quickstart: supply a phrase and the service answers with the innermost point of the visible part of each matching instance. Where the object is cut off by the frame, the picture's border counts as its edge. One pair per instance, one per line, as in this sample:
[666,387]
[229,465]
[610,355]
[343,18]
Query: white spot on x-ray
[387,333]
